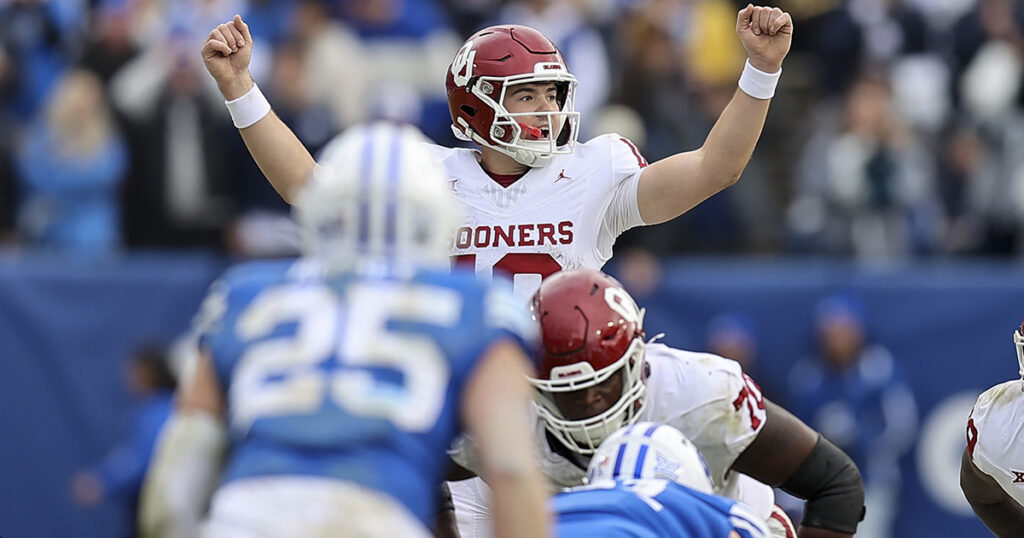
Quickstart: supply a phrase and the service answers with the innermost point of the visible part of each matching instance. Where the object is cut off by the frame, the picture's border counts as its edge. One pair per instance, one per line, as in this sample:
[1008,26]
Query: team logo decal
[462,65]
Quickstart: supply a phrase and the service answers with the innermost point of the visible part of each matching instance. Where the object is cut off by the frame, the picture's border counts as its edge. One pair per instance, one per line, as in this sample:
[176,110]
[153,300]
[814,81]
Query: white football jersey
[565,215]
[995,436]
[705,396]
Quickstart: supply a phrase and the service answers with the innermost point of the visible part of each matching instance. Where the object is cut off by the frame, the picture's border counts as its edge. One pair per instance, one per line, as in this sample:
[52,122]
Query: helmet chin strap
[530,158]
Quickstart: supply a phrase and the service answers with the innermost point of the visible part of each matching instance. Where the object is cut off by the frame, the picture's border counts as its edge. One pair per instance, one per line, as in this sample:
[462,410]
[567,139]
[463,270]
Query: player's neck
[497,163]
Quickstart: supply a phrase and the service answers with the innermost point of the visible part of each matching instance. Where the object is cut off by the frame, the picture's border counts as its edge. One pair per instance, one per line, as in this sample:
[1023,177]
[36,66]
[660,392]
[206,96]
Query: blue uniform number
[286,375]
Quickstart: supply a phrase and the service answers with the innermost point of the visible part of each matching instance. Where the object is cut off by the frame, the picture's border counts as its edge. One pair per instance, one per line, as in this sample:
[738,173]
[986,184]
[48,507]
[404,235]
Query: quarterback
[535,201]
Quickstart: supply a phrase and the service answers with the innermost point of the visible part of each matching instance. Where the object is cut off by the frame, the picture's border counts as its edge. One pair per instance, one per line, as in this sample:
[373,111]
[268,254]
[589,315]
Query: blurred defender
[992,468]
[648,481]
[332,385]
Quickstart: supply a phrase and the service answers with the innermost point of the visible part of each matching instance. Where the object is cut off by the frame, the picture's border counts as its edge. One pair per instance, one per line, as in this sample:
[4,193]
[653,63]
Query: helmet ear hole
[468,110]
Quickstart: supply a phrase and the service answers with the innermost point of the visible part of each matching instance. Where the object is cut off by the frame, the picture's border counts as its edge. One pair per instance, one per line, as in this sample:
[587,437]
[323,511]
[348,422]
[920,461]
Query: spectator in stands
[865,186]
[732,335]
[334,66]
[118,476]
[8,123]
[70,165]
[404,46]
[851,390]
[111,44]
[31,33]
[974,182]
[179,192]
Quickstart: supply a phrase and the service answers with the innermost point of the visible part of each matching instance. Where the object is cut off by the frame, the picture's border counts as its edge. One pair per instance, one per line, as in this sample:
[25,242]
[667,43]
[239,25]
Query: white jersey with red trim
[995,436]
[565,215]
[705,396]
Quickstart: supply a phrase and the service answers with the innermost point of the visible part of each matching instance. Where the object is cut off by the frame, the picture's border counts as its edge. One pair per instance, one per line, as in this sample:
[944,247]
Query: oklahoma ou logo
[622,304]
[462,65]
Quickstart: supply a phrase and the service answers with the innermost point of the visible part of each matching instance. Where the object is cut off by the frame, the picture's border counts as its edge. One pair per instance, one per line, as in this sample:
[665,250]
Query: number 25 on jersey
[335,349]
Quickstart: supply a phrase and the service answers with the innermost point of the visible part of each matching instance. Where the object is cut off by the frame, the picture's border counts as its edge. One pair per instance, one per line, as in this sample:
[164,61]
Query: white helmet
[650,450]
[377,199]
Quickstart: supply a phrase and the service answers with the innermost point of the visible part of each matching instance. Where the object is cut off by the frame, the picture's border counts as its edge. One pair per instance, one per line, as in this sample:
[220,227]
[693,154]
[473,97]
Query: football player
[534,200]
[332,385]
[597,374]
[648,481]
[992,467]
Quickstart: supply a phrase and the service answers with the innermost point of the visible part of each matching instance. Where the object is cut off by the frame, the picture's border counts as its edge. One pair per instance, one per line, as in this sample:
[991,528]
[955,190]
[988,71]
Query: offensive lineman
[992,467]
[332,385]
[597,374]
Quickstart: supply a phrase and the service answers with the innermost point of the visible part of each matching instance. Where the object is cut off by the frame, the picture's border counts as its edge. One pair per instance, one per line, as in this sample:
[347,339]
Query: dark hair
[153,358]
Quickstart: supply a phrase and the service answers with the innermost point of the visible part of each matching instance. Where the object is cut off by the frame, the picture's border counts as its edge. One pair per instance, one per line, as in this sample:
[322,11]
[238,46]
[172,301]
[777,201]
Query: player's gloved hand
[226,53]
[766,33]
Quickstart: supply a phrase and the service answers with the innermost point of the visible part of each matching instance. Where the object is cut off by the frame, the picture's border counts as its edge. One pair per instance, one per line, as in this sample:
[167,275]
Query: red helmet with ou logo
[591,331]
[488,64]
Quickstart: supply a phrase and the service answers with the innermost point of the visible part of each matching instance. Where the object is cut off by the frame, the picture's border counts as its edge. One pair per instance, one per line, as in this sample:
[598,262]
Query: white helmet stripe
[391,211]
[365,178]
[378,196]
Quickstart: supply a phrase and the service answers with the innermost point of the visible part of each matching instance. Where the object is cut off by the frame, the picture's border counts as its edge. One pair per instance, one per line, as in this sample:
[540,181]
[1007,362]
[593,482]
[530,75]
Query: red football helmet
[488,64]
[591,330]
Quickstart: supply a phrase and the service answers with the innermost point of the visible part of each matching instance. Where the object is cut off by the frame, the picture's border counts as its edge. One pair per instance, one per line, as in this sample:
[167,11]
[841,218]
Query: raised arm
[674,185]
[495,409]
[789,454]
[274,147]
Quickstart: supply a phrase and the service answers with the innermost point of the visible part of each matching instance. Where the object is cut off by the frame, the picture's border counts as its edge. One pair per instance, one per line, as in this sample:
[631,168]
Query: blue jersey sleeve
[505,313]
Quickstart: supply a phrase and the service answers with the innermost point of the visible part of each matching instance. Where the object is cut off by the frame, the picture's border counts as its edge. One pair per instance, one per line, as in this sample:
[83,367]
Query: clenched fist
[766,33]
[226,53]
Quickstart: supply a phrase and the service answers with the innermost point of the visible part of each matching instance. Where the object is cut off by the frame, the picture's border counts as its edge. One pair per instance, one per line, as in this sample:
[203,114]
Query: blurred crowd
[894,132]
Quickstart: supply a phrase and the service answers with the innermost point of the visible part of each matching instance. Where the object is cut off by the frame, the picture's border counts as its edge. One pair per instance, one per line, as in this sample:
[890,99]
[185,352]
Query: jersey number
[751,395]
[517,263]
[295,374]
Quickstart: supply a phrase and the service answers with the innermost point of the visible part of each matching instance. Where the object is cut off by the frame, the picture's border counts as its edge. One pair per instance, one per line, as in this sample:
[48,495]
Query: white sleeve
[622,211]
[627,166]
[997,447]
[722,411]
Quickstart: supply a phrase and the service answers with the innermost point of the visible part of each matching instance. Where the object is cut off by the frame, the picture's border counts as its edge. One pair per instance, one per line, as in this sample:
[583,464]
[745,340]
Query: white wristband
[757,83]
[249,108]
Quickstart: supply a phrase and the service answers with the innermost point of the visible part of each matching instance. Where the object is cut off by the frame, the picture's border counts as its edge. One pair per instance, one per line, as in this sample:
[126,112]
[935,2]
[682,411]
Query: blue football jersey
[651,508]
[353,377]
